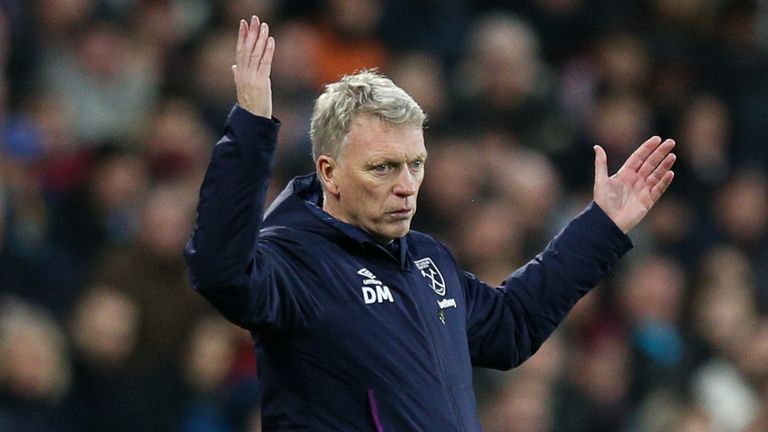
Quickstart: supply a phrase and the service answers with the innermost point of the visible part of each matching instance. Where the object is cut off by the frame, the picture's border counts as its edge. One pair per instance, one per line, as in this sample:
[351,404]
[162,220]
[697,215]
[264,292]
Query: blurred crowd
[109,110]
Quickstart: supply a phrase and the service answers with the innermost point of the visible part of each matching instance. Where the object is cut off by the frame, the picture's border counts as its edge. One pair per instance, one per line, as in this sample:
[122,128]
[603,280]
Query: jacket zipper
[443,378]
[441,366]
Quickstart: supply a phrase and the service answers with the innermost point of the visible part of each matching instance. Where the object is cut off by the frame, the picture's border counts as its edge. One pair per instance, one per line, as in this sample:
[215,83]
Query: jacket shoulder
[281,238]
[418,237]
[420,242]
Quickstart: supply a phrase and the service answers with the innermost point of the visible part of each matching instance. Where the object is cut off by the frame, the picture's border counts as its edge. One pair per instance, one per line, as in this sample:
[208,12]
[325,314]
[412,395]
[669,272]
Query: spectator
[34,369]
[108,392]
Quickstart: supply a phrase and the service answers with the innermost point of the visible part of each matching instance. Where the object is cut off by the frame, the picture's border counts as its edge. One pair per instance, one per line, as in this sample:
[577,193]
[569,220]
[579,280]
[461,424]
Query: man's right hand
[253,63]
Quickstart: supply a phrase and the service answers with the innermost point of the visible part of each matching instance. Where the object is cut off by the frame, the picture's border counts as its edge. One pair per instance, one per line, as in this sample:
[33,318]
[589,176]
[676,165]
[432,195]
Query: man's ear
[326,170]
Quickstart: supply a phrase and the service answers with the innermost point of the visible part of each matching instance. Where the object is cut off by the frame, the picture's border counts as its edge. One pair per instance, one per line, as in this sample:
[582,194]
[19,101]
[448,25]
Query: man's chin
[401,231]
[392,231]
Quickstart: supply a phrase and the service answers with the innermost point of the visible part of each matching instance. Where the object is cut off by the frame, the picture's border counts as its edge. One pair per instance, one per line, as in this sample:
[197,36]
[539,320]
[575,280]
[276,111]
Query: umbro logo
[374,290]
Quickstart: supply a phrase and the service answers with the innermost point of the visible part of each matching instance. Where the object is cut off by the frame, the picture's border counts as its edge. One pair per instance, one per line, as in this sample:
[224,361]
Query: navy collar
[397,248]
[304,195]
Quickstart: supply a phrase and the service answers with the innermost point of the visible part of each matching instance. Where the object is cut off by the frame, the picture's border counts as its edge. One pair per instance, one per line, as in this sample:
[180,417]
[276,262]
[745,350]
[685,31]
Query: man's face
[378,175]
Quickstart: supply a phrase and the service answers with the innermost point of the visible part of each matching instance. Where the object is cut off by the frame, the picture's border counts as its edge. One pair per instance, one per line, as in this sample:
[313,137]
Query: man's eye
[417,164]
[381,168]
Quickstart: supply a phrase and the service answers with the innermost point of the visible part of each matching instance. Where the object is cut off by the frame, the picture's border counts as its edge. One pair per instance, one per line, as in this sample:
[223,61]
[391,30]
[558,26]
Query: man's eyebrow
[375,160]
[380,159]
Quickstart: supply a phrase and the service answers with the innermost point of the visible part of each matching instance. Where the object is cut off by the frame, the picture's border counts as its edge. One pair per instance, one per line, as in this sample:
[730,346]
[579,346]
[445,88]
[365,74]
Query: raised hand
[253,64]
[627,196]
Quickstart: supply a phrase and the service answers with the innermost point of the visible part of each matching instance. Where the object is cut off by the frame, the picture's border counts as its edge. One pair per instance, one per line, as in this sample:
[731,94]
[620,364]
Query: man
[360,323]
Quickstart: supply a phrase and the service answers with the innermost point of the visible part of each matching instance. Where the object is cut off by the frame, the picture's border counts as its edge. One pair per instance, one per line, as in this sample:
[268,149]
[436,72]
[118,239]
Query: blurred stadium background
[109,110]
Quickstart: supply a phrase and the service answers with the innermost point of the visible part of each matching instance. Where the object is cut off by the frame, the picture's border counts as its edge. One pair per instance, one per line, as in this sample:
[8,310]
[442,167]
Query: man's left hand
[627,196]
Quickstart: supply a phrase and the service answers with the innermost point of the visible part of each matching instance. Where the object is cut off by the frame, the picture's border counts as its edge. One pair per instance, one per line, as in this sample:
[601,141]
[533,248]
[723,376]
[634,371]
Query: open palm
[253,66]
[627,196]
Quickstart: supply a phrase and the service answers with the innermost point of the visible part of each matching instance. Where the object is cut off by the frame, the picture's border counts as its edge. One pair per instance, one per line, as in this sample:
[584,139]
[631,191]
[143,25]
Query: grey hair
[365,92]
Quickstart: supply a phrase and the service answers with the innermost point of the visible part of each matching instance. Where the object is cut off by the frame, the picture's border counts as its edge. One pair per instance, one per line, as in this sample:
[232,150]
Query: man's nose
[406,184]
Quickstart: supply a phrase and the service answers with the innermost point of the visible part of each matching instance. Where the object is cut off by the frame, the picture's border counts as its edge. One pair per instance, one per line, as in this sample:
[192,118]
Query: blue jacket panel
[352,335]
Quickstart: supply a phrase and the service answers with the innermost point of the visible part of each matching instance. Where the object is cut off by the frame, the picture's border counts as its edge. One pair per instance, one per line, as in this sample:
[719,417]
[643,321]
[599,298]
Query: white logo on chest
[432,274]
[374,291]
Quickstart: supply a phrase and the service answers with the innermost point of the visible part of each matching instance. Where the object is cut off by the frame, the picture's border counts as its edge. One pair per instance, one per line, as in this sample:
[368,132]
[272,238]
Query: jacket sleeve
[506,325]
[241,276]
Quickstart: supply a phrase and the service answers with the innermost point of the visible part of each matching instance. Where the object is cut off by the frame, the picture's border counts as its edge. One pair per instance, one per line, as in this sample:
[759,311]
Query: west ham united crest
[432,274]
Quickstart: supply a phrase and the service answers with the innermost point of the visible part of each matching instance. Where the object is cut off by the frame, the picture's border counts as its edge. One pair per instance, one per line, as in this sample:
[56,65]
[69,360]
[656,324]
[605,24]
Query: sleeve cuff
[242,117]
[255,135]
[603,224]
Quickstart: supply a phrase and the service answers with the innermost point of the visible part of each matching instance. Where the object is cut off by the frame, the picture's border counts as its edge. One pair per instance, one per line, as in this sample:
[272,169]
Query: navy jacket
[353,335]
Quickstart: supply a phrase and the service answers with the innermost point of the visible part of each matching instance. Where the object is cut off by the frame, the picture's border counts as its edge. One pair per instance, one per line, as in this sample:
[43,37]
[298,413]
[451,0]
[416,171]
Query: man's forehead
[373,136]
[370,122]
[393,149]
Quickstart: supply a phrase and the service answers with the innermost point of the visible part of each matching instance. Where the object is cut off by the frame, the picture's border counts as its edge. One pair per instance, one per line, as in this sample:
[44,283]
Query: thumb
[601,165]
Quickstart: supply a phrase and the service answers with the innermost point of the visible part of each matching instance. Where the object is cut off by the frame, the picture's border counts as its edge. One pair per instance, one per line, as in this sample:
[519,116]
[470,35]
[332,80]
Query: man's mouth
[401,212]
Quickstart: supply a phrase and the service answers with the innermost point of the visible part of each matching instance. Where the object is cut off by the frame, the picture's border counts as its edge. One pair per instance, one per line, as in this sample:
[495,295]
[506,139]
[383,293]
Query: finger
[265,67]
[244,53]
[250,41]
[261,43]
[242,30]
[662,169]
[641,154]
[662,186]
[601,165]
[655,158]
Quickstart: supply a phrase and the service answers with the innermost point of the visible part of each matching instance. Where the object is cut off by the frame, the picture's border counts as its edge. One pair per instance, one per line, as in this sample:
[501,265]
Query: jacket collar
[299,206]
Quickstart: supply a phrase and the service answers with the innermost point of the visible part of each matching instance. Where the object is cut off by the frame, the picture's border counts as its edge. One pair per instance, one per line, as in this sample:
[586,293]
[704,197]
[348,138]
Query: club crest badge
[432,274]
